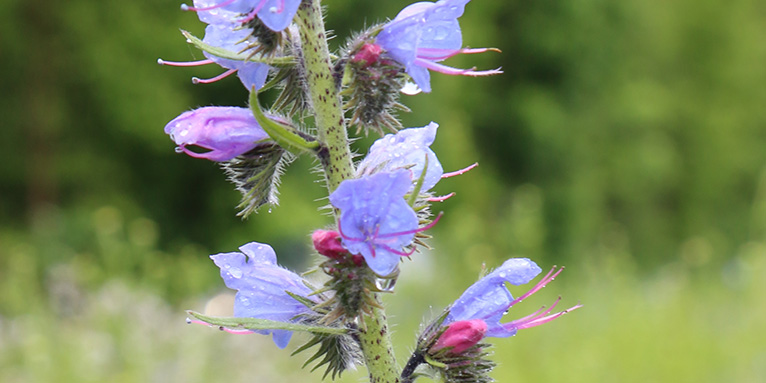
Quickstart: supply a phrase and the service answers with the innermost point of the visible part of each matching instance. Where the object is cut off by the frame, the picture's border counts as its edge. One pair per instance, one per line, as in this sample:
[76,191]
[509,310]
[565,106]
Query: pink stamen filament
[254,12]
[461,171]
[418,230]
[546,279]
[436,67]
[536,320]
[373,239]
[442,198]
[443,54]
[197,80]
[184,63]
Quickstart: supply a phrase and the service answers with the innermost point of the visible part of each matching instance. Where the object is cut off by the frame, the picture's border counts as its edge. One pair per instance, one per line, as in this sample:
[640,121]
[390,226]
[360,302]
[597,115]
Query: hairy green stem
[375,342]
[325,100]
[373,336]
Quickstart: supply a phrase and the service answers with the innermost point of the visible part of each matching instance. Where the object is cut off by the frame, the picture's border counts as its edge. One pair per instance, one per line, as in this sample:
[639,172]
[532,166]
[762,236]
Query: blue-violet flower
[261,287]
[489,298]
[375,220]
[407,149]
[225,131]
[425,33]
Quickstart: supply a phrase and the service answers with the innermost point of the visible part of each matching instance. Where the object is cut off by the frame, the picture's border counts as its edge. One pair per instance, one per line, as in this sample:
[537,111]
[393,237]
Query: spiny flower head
[375,220]
[423,34]
[262,287]
[226,132]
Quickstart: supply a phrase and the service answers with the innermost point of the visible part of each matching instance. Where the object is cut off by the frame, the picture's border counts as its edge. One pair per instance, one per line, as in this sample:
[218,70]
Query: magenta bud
[368,54]
[461,336]
[327,243]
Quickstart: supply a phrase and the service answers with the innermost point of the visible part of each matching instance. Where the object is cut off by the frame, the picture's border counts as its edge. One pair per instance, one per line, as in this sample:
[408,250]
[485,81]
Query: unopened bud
[367,55]
[461,336]
[327,243]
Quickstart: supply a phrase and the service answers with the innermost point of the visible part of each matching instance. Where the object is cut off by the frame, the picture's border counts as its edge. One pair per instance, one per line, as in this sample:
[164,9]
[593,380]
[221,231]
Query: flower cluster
[381,205]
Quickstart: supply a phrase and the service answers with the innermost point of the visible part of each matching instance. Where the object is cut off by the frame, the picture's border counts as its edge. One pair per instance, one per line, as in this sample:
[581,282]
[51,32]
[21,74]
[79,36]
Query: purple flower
[261,287]
[489,299]
[407,149]
[425,33]
[375,220]
[225,131]
[275,14]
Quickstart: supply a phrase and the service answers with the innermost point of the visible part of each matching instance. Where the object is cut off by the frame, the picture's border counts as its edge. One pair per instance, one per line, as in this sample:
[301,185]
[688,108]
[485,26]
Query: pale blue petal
[375,220]
[261,287]
[278,21]
[489,298]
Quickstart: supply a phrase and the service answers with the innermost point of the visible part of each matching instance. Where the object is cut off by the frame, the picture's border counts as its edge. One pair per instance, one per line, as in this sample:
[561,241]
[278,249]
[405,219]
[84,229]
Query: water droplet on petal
[235,272]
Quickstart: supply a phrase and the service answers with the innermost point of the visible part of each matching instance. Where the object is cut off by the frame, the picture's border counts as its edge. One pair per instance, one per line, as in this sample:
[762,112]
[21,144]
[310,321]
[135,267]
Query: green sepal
[284,135]
[238,56]
[264,324]
[418,185]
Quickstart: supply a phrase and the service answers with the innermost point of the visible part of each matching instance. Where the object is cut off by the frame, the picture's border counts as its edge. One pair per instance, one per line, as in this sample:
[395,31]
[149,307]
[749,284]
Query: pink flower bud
[327,243]
[461,336]
[368,54]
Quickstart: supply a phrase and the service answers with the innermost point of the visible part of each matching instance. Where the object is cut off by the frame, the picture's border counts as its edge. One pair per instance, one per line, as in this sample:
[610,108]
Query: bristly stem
[373,335]
[323,93]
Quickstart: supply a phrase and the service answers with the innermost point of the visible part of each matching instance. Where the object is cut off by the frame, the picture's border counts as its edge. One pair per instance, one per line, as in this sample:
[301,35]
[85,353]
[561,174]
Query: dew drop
[188,321]
[235,272]
[385,284]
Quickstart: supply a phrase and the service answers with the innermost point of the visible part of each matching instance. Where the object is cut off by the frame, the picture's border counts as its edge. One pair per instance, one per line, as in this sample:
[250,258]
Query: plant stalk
[373,335]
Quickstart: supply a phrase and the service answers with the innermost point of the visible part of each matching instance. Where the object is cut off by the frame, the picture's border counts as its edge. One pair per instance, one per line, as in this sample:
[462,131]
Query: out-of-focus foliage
[625,139]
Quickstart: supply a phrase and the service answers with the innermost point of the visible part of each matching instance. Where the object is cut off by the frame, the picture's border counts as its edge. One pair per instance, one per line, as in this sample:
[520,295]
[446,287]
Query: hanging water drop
[385,284]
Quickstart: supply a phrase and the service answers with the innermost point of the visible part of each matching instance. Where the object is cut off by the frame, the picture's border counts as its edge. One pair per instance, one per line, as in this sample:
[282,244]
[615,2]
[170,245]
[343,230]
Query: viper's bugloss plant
[381,205]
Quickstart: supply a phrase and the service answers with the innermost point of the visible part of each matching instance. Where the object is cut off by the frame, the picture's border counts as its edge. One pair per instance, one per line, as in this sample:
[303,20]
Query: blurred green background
[625,141]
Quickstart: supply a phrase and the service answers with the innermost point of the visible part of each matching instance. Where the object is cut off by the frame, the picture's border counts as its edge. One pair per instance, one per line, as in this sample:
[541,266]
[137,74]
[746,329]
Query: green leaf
[286,136]
[264,324]
[231,55]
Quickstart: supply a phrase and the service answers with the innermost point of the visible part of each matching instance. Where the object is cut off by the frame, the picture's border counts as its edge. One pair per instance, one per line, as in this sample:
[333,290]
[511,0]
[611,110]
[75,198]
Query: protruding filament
[442,198]
[539,317]
[546,279]
[197,80]
[436,67]
[184,63]
[461,171]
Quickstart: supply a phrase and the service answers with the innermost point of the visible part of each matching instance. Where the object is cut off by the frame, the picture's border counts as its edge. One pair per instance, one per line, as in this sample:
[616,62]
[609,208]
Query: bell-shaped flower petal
[407,149]
[489,298]
[375,220]
[275,14]
[425,33]
[225,131]
[261,287]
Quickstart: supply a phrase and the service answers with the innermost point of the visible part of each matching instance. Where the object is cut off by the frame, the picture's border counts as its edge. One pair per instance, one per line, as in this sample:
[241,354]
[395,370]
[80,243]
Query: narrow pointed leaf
[264,324]
[230,55]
